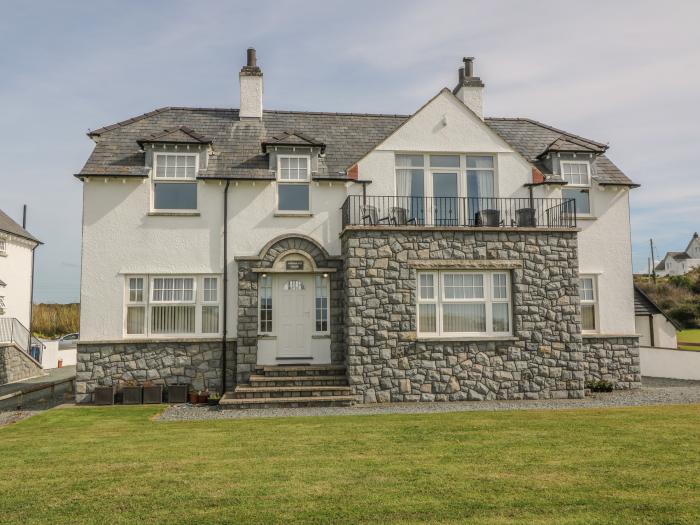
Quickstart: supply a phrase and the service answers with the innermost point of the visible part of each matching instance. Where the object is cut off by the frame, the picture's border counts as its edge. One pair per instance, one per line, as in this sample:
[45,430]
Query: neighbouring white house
[299,257]
[654,327]
[680,263]
[17,247]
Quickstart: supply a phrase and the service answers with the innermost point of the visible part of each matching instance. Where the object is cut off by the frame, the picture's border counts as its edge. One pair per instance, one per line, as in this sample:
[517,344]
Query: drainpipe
[225,285]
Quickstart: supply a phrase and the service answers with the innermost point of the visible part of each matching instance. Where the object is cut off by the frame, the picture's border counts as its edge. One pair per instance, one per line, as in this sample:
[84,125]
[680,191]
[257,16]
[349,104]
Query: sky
[622,73]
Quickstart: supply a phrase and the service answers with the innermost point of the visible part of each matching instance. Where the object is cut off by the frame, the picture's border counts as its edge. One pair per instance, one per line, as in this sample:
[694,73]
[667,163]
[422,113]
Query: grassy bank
[116,465]
[54,320]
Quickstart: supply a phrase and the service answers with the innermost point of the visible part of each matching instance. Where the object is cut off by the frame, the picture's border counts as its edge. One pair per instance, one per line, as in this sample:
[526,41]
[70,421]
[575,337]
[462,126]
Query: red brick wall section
[537,176]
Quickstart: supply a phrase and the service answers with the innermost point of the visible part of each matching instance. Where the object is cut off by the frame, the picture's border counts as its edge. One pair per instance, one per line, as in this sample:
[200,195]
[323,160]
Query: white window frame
[488,299]
[271,331]
[216,302]
[3,304]
[280,180]
[173,180]
[593,302]
[429,171]
[327,281]
[587,185]
[197,300]
[143,303]
[3,246]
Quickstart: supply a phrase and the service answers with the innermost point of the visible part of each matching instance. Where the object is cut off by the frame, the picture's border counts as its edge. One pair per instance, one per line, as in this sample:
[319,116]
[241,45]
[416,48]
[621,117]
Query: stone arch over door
[249,271]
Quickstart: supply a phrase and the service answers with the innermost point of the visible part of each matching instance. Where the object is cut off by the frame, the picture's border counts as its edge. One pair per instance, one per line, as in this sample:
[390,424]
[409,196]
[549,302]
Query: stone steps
[292,386]
[251,392]
[259,380]
[301,370]
[285,402]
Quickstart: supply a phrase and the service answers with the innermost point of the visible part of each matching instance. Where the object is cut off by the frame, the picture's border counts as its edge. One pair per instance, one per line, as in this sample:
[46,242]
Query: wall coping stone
[155,341]
[483,229]
[466,339]
[608,336]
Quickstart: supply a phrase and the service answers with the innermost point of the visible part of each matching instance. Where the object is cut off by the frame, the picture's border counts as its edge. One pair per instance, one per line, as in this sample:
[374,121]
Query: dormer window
[578,176]
[293,176]
[175,181]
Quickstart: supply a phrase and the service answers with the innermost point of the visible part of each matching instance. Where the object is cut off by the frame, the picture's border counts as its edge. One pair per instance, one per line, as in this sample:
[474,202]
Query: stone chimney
[470,89]
[251,80]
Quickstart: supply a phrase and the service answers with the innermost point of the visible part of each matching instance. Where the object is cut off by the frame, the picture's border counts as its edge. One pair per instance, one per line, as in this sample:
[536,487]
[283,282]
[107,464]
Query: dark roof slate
[238,145]
[643,305]
[7,225]
[180,135]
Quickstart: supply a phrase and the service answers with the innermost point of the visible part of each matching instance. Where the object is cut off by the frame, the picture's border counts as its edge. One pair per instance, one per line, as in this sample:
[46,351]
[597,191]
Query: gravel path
[654,392]
[15,415]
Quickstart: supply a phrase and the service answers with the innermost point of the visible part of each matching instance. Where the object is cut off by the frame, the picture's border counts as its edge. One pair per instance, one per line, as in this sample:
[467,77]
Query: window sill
[293,214]
[444,338]
[3,254]
[174,214]
[267,337]
[586,217]
[321,336]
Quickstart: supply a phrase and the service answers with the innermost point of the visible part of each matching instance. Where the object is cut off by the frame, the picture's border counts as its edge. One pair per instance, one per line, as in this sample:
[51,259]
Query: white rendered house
[680,263]
[17,247]
[222,247]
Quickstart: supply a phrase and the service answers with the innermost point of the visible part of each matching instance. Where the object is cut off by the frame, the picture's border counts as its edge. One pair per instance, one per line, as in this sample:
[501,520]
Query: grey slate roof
[643,305]
[9,226]
[531,139]
[238,145]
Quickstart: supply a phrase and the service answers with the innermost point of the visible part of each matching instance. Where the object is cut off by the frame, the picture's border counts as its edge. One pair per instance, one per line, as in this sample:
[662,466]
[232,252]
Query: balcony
[455,212]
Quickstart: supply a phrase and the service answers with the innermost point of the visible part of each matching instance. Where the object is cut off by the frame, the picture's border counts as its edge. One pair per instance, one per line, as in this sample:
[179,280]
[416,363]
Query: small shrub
[599,385]
[685,314]
[681,281]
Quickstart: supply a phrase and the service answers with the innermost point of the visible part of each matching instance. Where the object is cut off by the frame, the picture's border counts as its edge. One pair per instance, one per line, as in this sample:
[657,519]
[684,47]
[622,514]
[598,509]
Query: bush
[599,385]
[685,314]
[681,281]
[54,320]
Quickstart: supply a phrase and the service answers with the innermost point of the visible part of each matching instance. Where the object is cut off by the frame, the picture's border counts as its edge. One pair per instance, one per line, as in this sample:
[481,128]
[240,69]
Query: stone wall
[613,359]
[163,362]
[386,362]
[15,365]
[247,332]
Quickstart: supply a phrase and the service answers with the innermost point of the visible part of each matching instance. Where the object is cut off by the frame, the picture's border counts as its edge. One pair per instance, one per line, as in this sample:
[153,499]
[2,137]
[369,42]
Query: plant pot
[152,394]
[178,393]
[132,395]
[104,395]
[194,398]
[203,399]
[212,402]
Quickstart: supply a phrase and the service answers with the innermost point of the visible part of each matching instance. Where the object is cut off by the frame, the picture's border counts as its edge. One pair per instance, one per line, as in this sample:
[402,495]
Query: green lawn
[688,336]
[116,465]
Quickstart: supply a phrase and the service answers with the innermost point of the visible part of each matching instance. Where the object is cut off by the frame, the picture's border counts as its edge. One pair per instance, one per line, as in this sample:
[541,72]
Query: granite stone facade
[613,359]
[197,363]
[386,360]
[248,279]
[15,365]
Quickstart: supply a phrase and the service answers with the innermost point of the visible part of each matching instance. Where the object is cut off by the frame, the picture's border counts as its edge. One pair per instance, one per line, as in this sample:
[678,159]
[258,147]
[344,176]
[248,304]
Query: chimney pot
[461,76]
[468,66]
[252,59]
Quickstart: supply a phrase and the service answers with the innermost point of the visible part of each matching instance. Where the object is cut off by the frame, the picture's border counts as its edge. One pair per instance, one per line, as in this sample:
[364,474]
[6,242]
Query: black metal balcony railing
[359,210]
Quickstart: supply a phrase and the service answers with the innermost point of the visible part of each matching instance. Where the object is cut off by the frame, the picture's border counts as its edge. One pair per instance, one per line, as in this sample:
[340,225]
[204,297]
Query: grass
[688,336]
[54,320]
[116,465]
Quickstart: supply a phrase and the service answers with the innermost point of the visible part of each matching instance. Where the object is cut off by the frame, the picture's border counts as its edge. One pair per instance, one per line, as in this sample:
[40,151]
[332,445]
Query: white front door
[295,294]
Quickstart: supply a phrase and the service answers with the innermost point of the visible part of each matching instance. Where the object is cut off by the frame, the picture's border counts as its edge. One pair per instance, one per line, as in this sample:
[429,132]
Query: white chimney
[470,89]
[251,79]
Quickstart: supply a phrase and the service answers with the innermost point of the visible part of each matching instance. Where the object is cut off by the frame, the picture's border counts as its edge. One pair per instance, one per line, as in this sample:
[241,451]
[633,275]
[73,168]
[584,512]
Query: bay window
[578,177]
[172,305]
[463,303]
[293,176]
[589,306]
[175,181]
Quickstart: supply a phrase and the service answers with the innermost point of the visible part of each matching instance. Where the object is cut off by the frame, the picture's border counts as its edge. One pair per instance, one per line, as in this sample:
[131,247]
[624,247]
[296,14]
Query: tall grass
[54,320]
